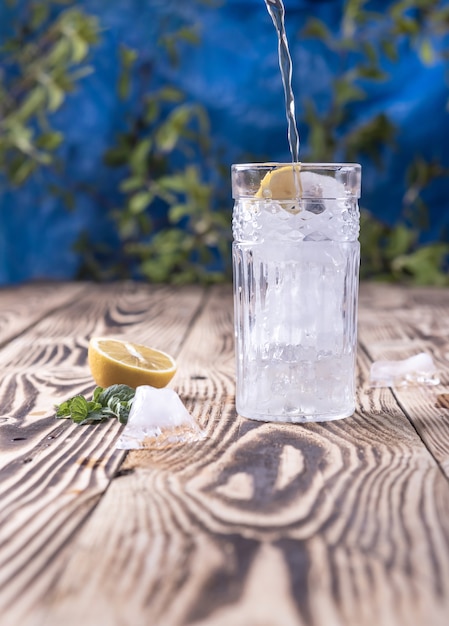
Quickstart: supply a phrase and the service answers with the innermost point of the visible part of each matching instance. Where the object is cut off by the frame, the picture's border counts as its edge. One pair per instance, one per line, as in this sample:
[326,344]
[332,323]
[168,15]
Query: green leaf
[127,225]
[114,401]
[50,140]
[59,53]
[370,51]
[316,28]
[79,408]
[167,137]
[371,72]
[124,86]
[400,241]
[139,201]
[95,417]
[371,138]
[132,184]
[20,171]
[406,26]
[138,157]
[321,141]
[178,211]
[397,8]
[175,126]
[68,82]
[97,393]
[63,409]
[346,92]
[39,14]
[124,393]
[80,48]
[170,94]
[181,116]
[152,110]
[390,49]
[32,103]
[116,156]
[21,137]
[426,52]
[128,56]
[188,34]
[55,96]
[425,266]
[176,182]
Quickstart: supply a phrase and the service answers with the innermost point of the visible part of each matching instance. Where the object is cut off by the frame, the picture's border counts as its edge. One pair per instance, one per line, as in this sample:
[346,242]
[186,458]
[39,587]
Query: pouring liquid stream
[277,13]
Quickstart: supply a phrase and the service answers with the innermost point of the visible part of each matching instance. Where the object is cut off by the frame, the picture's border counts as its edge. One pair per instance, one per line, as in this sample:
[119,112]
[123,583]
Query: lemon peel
[117,361]
[281,183]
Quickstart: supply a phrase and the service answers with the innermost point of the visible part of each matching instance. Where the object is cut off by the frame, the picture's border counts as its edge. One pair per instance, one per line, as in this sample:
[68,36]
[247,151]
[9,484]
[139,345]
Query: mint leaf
[97,392]
[63,410]
[117,401]
[95,417]
[121,393]
[114,401]
[79,408]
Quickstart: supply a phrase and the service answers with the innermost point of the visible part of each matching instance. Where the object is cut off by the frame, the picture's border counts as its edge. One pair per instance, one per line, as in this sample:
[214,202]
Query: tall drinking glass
[296,262]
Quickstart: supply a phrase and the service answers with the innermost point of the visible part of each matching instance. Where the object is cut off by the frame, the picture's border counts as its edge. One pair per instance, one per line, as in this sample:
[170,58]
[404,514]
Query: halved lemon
[116,361]
[281,183]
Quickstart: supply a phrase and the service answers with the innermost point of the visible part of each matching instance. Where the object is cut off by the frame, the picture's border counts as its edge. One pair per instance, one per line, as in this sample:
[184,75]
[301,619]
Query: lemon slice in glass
[281,183]
[116,361]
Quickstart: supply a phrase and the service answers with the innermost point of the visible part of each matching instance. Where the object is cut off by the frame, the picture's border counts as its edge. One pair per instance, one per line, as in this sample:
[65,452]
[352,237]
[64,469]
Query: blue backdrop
[234,73]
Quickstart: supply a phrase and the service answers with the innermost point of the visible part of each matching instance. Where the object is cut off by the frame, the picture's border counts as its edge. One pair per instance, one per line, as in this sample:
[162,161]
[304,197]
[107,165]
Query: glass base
[297,419]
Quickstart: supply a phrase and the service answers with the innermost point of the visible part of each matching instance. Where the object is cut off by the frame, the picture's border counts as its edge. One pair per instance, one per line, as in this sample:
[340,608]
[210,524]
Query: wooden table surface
[337,524]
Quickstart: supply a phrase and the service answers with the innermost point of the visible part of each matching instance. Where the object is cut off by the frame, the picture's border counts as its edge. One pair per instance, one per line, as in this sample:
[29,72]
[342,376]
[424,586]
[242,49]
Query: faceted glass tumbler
[296,261]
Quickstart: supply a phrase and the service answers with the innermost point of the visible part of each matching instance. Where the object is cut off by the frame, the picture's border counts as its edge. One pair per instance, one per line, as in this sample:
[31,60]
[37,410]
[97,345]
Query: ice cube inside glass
[296,262]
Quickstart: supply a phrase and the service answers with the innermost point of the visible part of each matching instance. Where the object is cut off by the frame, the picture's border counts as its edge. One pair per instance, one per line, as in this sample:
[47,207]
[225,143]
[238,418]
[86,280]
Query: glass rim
[303,164]
[247,179]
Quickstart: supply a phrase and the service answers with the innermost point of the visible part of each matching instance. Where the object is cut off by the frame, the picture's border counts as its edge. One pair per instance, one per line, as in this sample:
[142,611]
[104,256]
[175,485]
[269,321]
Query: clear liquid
[295,308]
[277,12]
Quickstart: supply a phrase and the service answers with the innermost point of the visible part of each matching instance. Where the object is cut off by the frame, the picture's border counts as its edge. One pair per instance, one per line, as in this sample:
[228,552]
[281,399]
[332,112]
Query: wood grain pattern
[53,472]
[24,305]
[343,523]
[398,323]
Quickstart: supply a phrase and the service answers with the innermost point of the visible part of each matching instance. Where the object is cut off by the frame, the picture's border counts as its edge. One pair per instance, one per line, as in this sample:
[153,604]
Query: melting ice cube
[157,417]
[418,369]
[320,186]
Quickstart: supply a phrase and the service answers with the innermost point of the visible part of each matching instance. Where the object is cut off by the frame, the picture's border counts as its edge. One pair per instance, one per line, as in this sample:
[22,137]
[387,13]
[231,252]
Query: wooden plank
[396,323]
[343,523]
[54,472]
[24,305]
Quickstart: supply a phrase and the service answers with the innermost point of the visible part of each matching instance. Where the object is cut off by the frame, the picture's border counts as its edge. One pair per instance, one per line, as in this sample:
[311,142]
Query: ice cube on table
[419,369]
[157,417]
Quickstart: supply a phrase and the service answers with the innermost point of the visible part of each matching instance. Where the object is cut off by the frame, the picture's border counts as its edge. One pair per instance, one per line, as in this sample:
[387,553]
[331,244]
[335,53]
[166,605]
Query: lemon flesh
[281,183]
[115,362]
